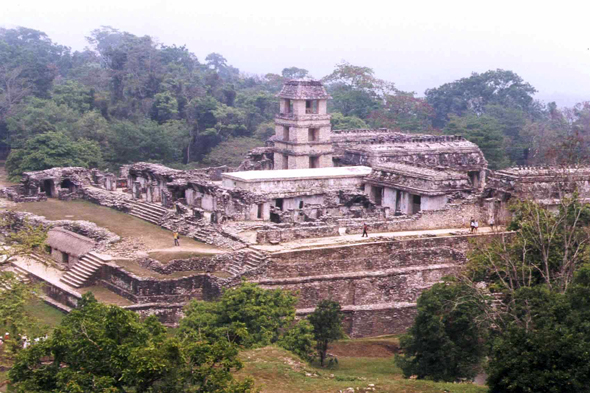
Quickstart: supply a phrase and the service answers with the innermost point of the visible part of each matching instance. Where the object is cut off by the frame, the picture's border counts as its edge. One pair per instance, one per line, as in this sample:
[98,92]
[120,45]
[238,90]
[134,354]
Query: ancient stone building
[309,182]
[302,138]
[66,247]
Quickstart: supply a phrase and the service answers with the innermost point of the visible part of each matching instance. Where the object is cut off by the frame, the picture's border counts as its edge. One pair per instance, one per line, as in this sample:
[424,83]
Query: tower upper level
[300,97]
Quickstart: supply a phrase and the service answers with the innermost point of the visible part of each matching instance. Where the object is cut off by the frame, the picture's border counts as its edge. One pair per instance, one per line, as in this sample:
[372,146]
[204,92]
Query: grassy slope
[278,371]
[120,223]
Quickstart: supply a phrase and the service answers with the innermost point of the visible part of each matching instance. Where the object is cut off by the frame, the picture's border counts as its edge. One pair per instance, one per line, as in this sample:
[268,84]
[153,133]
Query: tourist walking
[176,237]
[365,228]
[472,225]
[492,223]
[475,226]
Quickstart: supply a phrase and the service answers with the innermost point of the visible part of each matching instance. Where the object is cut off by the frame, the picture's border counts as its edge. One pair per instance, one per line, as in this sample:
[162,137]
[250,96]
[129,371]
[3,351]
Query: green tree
[230,152]
[446,340]
[15,318]
[473,94]
[485,132]
[294,73]
[21,237]
[73,95]
[546,351]
[300,340]
[100,348]
[248,316]
[53,149]
[341,122]
[147,141]
[403,111]
[164,108]
[37,117]
[326,320]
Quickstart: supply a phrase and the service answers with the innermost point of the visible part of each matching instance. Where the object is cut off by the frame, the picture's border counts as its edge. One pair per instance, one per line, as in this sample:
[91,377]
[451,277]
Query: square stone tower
[303,127]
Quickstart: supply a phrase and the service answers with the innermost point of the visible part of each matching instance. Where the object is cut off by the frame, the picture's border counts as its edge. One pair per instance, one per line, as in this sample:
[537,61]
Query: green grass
[120,223]
[45,313]
[278,371]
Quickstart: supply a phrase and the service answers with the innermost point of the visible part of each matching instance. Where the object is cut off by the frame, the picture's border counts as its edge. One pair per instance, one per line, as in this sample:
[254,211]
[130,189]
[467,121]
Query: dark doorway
[377,195]
[474,177]
[260,211]
[66,183]
[279,203]
[416,203]
[46,187]
[274,217]
[65,258]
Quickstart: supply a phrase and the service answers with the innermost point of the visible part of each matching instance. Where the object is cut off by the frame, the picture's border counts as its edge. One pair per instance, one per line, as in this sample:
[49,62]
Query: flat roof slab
[294,174]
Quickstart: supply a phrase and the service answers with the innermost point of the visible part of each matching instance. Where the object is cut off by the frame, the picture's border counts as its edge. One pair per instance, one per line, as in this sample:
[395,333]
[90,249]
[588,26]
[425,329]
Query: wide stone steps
[204,235]
[82,271]
[150,212]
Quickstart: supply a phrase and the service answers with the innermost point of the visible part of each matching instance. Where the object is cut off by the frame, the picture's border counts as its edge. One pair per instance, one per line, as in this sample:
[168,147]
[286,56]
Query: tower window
[285,133]
[311,106]
[285,161]
[314,162]
[288,106]
[313,134]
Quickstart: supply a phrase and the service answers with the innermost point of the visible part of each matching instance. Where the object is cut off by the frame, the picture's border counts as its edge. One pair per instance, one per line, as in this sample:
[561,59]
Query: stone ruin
[311,182]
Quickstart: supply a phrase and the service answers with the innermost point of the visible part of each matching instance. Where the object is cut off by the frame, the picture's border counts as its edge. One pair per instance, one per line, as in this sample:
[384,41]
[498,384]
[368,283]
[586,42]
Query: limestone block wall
[377,283]
[152,290]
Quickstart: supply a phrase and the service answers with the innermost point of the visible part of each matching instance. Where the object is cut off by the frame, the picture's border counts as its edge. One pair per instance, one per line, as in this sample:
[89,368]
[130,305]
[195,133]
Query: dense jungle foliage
[127,98]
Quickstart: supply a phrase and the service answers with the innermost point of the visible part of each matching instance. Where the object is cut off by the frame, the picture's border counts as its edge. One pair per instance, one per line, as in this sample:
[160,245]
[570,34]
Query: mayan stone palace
[290,216]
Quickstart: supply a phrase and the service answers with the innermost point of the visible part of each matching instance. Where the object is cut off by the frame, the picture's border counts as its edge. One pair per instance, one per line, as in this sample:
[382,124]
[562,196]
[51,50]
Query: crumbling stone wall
[378,283]
[201,286]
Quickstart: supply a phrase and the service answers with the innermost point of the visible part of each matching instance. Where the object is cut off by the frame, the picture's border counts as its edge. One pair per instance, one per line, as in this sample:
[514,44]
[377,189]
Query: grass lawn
[47,314]
[120,223]
[278,371]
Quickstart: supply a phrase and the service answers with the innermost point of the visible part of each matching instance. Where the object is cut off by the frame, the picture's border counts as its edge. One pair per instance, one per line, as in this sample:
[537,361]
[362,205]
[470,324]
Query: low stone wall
[200,286]
[61,295]
[453,216]
[208,264]
[376,320]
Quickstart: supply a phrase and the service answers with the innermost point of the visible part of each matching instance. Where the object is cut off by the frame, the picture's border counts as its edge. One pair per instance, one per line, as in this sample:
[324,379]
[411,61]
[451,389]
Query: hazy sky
[416,44]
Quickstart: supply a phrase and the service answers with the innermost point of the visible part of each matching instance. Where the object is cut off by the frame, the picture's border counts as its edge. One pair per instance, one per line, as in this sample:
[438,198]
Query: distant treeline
[126,98]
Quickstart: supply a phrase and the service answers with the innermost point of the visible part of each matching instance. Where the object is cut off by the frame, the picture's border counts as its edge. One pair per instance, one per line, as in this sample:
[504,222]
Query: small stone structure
[66,247]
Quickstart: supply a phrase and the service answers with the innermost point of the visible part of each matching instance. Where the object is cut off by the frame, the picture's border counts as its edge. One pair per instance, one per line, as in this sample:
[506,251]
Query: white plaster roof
[293,174]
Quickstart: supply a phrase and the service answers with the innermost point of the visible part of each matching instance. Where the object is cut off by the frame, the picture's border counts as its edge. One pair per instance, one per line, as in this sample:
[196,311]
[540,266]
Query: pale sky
[416,44]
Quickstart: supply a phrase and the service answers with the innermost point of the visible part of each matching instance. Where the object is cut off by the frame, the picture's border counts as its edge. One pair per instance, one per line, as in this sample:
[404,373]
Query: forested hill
[127,98]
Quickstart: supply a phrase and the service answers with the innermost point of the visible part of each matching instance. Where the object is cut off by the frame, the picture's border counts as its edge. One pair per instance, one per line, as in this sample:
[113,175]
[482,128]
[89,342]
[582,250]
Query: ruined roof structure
[421,181]
[303,89]
[69,242]
[541,183]
[443,152]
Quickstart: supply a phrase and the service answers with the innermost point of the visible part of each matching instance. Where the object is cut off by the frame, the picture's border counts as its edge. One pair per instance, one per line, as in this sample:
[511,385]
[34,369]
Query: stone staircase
[250,261]
[150,212]
[204,234]
[20,274]
[82,271]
